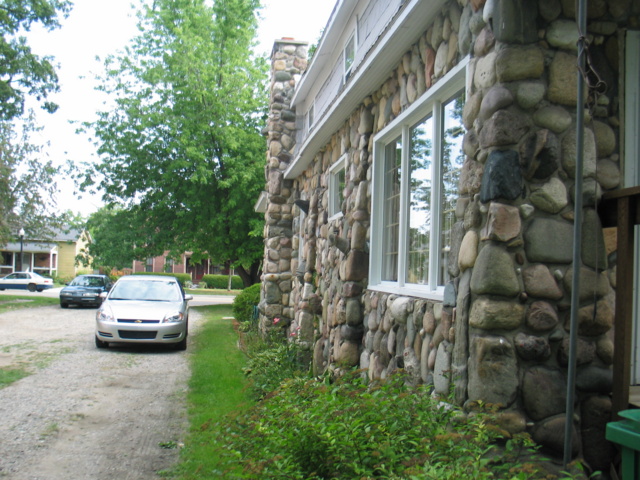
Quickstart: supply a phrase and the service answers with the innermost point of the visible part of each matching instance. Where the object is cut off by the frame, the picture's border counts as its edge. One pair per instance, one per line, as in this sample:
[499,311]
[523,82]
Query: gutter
[577,236]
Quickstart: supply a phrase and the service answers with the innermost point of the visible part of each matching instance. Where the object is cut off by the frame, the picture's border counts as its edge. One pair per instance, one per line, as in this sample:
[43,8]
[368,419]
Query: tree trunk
[251,276]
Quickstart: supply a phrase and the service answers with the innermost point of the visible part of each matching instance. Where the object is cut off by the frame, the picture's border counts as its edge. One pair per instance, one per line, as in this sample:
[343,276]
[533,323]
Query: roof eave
[415,18]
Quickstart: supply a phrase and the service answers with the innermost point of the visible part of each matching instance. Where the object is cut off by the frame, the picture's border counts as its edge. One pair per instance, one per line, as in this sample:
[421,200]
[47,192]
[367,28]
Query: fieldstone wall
[500,335]
[289,61]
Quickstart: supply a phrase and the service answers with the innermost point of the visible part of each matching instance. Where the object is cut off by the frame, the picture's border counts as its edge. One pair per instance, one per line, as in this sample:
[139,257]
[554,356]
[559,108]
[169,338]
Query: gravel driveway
[87,413]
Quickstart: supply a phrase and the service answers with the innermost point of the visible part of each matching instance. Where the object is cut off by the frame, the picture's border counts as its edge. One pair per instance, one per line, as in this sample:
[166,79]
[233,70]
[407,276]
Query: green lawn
[16,302]
[211,291]
[217,388]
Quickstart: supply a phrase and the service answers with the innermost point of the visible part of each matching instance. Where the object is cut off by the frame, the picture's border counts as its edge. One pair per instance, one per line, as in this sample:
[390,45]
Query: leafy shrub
[244,302]
[62,279]
[269,367]
[221,282]
[312,431]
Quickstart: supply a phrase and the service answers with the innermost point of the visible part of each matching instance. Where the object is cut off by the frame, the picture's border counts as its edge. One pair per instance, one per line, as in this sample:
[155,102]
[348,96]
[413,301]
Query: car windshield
[150,290]
[87,282]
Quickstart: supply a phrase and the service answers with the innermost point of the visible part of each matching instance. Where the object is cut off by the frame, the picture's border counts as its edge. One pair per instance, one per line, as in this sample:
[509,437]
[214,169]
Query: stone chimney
[288,62]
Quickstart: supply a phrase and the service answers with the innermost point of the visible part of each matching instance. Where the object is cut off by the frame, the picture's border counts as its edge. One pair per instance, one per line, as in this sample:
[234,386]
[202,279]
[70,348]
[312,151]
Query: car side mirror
[188,297]
[103,295]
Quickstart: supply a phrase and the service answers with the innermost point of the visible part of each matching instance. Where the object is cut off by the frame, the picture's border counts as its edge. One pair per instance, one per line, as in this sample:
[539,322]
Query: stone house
[419,203]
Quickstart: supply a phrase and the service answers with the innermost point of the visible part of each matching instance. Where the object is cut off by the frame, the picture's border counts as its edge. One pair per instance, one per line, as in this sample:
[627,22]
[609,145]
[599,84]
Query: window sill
[409,291]
[337,216]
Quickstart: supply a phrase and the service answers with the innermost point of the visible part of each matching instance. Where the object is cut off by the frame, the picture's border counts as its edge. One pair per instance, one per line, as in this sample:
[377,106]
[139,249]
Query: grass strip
[10,375]
[217,387]
[211,291]
[10,303]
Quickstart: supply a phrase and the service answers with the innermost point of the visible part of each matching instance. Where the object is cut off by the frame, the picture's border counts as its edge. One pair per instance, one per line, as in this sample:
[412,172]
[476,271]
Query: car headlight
[105,315]
[173,317]
[65,294]
[89,294]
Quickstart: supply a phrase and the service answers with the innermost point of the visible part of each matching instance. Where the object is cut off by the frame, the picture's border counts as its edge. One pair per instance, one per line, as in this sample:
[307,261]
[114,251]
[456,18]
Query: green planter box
[626,433]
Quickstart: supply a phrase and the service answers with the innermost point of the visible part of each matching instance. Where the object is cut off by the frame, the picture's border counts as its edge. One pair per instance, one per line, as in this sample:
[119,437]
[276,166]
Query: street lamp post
[21,233]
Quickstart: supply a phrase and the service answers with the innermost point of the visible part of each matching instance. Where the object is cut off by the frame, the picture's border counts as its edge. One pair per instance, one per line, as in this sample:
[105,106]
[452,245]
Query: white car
[144,309]
[25,281]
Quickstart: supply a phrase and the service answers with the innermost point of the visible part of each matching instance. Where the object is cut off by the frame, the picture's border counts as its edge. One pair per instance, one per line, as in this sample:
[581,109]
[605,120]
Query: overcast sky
[102,27]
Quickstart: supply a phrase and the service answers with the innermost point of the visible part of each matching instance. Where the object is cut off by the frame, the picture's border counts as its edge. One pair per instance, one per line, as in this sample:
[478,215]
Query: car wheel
[31,287]
[64,305]
[1,289]
[101,344]
[181,345]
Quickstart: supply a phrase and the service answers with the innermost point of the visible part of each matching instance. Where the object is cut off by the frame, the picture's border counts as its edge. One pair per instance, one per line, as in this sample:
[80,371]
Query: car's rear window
[152,290]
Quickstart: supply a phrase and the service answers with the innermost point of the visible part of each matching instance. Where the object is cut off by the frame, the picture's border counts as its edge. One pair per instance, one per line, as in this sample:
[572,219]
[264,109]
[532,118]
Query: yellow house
[69,246]
[52,257]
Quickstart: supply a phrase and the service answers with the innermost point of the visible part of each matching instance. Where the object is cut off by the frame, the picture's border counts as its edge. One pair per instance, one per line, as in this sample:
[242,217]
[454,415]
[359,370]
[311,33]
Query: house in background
[165,264]
[52,257]
[419,206]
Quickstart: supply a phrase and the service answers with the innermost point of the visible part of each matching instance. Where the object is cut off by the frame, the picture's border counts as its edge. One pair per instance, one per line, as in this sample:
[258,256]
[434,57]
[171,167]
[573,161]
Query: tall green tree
[28,186]
[114,239]
[22,73]
[181,149]
[27,179]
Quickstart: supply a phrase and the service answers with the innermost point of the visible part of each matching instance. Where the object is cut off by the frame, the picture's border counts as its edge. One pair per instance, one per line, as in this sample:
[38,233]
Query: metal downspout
[577,235]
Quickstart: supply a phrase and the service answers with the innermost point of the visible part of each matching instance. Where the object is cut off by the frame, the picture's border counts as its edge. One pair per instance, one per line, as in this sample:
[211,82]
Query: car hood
[141,309]
[80,289]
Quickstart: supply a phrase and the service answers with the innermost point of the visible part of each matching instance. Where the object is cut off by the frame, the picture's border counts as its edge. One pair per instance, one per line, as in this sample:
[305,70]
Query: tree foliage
[181,150]
[23,73]
[27,179]
[28,186]
[114,239]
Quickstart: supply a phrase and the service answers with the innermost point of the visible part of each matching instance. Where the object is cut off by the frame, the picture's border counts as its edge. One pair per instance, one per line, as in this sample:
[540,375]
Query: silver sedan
[144,309]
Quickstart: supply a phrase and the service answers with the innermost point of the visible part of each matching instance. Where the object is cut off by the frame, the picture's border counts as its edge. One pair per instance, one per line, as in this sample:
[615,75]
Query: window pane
[452,160]
[420,202]
[349,55]
[391,215]
[336,187]
[340,184]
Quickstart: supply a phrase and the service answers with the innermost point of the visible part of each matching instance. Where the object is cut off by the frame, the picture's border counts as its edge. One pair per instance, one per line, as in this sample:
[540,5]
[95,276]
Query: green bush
[244,302]
[63,280]
[182,277]
[221,282]
[388,430]
[268,368]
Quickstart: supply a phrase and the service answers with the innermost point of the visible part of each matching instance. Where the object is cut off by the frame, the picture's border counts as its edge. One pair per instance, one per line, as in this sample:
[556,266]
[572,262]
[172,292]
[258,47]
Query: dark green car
[85,290]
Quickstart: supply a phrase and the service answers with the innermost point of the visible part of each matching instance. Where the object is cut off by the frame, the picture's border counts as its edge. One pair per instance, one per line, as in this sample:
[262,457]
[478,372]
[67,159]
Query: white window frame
[430,102]
[301,239]
[348,66]
[311,116]
[335,193]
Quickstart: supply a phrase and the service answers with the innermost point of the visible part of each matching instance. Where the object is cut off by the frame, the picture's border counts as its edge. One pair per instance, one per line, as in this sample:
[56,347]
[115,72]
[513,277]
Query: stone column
[288,62]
